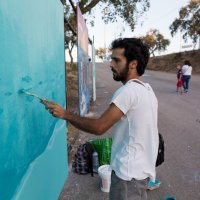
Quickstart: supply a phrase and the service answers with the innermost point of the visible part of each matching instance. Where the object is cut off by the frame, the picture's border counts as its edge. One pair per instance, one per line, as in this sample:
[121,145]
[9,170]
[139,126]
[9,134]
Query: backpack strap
[138,82]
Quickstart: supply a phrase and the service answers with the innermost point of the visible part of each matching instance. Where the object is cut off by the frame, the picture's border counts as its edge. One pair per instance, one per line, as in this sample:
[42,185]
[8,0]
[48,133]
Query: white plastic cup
[104,172]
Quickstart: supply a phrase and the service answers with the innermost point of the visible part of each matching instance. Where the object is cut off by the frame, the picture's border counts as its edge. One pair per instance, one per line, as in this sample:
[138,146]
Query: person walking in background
[179,84]
[187,72]
[133,112]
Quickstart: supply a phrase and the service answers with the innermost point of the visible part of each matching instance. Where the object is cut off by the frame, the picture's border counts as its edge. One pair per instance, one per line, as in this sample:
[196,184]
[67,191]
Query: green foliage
[128,10]
[101,52]
[188,22]
[155,41]
[87,5]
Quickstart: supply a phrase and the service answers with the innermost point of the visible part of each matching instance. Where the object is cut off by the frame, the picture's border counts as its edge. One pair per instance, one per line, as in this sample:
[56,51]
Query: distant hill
[168,62]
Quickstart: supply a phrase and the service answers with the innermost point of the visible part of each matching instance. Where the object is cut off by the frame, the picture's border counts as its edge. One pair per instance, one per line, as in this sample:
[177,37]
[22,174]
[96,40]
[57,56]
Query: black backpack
[83,159]
[161,151]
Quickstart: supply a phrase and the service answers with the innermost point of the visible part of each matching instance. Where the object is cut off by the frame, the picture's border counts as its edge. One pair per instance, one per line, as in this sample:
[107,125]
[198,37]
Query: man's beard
[122,76]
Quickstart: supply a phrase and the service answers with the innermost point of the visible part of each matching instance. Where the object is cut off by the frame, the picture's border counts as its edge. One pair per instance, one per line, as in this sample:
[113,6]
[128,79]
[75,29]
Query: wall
[33,156]
[83,65]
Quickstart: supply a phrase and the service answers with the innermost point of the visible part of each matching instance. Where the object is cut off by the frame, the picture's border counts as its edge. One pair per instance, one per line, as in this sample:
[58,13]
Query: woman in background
[187,72]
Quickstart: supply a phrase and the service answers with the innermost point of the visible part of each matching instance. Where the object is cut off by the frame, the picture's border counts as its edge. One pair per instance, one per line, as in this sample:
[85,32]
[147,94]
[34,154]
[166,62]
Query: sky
[160,16]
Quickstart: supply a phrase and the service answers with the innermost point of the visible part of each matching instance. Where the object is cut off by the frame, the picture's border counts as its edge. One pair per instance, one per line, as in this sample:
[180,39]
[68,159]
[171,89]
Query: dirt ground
[167,63]
[72,105]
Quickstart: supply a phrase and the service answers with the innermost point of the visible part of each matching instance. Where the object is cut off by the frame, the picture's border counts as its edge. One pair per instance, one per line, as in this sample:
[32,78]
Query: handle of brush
[44,101]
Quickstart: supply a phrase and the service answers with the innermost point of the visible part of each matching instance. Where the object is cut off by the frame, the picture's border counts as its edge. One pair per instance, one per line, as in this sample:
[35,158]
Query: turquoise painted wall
[33,156]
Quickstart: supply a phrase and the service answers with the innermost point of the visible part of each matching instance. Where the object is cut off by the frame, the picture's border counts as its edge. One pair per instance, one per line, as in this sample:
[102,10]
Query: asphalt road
[179,123]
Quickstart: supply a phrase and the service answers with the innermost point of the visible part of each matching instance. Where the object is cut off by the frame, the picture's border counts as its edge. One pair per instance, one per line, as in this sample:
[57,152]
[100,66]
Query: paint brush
[42,100]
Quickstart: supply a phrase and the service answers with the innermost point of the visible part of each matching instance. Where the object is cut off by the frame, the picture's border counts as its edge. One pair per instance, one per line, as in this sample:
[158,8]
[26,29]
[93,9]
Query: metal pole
[199,42]
[93,72]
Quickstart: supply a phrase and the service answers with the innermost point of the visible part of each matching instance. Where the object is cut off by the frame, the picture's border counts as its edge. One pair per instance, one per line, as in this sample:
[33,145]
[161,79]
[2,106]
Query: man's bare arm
[94,126]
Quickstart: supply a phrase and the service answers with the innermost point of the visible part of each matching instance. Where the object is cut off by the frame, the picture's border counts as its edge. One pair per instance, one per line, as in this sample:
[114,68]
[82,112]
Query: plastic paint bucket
[104,172]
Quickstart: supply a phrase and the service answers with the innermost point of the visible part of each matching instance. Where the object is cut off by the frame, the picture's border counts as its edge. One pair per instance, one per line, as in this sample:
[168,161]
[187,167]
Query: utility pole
[199,42]
[105,11]
[180,42]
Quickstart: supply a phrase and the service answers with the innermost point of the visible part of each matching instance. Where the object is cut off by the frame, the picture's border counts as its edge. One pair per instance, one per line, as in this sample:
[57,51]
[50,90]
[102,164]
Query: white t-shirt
[135,136]
[187,70]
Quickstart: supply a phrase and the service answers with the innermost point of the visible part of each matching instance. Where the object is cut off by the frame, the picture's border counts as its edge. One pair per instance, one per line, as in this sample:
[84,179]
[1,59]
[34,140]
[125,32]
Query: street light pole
[104,40]
[105,11]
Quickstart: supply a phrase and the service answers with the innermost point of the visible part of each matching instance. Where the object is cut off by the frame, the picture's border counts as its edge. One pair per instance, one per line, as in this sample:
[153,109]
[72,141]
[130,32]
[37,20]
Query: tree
[155,41]
[188,22]
[70,41]
[128,10]
[70,37]
[101,53]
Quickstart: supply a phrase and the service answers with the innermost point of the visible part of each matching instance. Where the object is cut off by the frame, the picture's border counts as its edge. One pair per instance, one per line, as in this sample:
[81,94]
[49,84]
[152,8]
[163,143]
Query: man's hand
[56,110]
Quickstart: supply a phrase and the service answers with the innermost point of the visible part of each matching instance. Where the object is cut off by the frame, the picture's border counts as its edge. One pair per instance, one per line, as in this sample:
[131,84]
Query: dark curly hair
[134,49]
